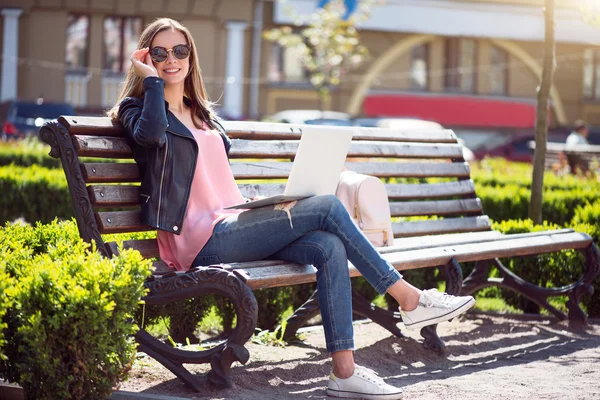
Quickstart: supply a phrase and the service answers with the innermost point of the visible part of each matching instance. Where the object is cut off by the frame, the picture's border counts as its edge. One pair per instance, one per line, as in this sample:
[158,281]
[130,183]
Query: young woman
[181,151]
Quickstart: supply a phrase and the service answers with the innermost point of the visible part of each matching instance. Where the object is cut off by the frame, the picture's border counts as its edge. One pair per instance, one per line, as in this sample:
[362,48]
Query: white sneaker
[435,307]
[363,384]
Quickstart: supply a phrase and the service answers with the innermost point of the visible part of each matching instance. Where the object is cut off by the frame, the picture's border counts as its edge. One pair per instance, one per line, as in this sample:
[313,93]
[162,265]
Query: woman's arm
[145,120]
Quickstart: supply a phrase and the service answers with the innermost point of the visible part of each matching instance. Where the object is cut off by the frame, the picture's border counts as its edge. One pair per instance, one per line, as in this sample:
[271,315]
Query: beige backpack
[366,200]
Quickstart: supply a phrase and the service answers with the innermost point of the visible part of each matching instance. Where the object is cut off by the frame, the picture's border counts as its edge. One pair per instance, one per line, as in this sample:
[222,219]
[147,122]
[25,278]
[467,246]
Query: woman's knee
[332,203]
[328,249]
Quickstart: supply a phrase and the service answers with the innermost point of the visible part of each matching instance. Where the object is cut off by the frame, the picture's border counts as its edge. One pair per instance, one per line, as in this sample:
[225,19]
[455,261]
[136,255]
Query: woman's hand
[142,63]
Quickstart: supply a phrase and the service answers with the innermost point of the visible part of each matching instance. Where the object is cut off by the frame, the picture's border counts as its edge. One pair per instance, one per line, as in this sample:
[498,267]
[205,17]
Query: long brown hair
[202,108]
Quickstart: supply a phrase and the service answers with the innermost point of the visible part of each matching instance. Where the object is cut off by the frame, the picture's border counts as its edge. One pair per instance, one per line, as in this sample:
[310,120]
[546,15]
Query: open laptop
[316,168]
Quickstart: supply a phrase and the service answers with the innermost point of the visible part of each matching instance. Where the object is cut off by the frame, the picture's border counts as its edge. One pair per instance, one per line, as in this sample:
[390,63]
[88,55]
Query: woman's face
[173,70]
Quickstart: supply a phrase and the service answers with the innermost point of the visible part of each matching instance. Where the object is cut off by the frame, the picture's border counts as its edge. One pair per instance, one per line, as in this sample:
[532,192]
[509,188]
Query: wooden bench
[462,233]
[559,155]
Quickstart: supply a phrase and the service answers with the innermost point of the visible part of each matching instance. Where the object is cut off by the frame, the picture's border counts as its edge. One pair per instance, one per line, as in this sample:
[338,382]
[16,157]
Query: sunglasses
[160,54]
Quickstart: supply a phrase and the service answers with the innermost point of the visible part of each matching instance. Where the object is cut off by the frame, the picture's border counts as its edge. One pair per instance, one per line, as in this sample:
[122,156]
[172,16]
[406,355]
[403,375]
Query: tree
[541,125]
[591,12]
[329,44]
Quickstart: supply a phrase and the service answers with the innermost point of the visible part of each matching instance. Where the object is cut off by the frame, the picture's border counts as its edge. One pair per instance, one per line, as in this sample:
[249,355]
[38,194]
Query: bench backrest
[573,154]
[106,194]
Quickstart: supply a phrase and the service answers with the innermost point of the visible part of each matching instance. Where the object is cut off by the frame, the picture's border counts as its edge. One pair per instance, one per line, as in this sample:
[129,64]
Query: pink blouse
[213,188]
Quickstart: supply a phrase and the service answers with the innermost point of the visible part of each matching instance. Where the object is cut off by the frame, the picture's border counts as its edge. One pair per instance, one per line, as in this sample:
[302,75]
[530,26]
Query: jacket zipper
[162,178]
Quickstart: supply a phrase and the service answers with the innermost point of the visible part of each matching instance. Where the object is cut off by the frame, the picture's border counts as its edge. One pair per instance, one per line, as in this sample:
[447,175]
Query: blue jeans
[323,235]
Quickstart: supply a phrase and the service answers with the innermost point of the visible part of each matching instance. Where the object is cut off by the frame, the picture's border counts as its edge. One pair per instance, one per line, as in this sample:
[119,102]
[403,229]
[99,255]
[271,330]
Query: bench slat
[409,191]
[284,274]
[435,227]
[96,126]
[102,146]
[265,170]
[275,130]
[119,147]
[149,247]
[128,195]
[120,221]
[110,172]
[287,149]
[114,195]
[440,207]
[103,126]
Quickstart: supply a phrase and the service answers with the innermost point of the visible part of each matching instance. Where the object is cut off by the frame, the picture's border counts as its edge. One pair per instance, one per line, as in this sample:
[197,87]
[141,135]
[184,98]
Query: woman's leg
[327,254]
[258,233]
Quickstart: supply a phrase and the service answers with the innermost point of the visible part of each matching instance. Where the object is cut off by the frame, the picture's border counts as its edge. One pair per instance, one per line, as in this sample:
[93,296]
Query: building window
[591,74]
[76,54]
[120,40]
[419,67]
[461,56]
[286,65]
[498,72]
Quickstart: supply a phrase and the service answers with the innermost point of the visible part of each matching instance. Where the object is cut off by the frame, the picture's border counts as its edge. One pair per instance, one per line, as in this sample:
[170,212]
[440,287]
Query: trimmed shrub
[502,203]
[69,331]
[6,286]
[33,193]
[588,214]
[27,152]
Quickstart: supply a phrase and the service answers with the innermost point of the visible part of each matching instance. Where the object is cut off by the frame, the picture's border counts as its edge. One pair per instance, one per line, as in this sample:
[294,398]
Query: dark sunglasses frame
[180,52]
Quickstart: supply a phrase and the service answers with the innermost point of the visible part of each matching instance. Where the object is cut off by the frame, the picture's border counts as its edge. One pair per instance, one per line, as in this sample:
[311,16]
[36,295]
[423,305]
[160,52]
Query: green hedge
[499,172]
[68,331]
[507,202]
[34,193]
[26,153]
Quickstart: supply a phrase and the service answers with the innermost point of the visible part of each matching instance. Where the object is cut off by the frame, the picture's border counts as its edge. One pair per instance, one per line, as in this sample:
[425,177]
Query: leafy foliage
[69,328]
[329,44]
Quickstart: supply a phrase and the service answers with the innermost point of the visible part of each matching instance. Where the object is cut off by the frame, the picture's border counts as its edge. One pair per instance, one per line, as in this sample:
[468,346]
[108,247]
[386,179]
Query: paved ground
[488,357]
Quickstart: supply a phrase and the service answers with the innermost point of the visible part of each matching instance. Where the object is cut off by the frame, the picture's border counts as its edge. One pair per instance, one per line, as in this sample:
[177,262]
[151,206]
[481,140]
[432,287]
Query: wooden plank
[430,241]
[102,146]
[413,191]
[114,195]
[110,172]
[95,126]
[120,221]
[522,246]
[104,126]
[285,274]
[268,170]
[288,148]
[398,191]
[439,207]
[148,248]
[274,130]
[440,226]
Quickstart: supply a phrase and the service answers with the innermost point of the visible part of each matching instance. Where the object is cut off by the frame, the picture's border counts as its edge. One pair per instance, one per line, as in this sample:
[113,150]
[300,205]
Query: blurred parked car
[302,116]
[409,124]
[517,148]
[22,118]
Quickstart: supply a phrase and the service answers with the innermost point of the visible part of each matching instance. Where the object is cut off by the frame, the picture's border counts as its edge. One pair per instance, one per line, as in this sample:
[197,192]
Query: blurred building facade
[468,64]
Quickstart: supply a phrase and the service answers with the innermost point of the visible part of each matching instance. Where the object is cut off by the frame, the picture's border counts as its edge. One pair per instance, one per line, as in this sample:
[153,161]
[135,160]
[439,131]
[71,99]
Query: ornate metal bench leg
[385,318]
[306,311]
[577,317]
[200,282]
[453,275]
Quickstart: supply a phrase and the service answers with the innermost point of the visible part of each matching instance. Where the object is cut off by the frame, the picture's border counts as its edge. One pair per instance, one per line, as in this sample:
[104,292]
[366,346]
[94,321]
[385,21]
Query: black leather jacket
[166,154]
